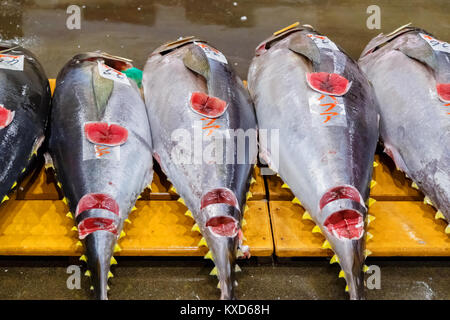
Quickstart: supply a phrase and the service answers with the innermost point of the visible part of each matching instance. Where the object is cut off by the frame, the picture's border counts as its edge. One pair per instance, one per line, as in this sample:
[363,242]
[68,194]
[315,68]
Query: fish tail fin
[99,251]
[351,257]
[224,256]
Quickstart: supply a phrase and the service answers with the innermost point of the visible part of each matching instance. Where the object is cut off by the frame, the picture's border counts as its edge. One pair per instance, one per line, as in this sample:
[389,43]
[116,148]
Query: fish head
[115,62]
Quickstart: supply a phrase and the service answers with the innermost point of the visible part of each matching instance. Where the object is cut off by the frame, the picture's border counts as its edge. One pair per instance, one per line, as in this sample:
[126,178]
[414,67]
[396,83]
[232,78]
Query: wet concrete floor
[133,29]
[179,278]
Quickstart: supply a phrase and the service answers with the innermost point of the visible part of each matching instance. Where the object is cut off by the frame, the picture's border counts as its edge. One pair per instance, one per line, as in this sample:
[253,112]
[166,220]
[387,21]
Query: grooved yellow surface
[42,186]
[400,228]
[158,228]
[391,184]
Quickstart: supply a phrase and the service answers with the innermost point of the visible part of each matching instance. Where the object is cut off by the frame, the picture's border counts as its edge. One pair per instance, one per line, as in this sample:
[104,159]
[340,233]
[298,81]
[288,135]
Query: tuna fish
[197,107]
[306,87]
[24,108]
[101,149]
[410,72]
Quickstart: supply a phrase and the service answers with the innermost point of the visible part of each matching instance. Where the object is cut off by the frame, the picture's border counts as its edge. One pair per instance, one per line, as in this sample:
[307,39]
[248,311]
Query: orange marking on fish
[330,115]
[209,125]
[332,105]
[101,151]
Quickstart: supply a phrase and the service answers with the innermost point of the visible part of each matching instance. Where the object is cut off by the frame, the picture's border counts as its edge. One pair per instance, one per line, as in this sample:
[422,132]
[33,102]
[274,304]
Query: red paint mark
[6,117]
[346,224]
[205,105]
[443,90]
[219,195]
[90,225]
[97,201]
[105,134]
[223,226]
[328,83]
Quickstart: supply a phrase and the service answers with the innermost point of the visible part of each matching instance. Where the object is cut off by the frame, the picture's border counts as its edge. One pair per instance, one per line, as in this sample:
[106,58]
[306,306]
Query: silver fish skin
[25,95]
[326,162]
[171,75]
[405,71]
[83,96]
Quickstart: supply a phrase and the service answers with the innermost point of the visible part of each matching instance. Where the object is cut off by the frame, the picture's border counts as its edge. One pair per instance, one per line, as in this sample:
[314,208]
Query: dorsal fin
[171,46]
[301,45]
[431,52]
[195,59]
[382,39]
[421,52]
[102,91]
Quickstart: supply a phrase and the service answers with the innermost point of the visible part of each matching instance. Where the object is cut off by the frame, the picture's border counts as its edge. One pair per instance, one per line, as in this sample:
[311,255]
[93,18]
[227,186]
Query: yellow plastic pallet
[400,228]
[42,186]
[391,184]
[158,228]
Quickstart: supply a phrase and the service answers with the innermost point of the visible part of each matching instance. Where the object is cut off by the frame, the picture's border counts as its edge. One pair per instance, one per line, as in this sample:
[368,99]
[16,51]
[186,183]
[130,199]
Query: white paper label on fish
[327,110]
[436,44]
[11,62]
[323,42]
[112,74]
[212,53]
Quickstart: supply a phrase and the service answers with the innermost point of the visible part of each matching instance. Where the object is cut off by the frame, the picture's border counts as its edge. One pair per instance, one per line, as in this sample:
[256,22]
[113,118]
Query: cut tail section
[99,251]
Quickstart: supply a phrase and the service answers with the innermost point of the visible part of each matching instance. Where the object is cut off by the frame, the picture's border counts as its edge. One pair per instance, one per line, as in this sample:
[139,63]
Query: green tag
[134,74]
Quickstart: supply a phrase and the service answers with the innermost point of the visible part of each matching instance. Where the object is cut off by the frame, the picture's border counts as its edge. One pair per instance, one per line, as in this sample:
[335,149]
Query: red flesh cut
[223,226]
[443,90]
[219,195]
[97,201]
[328,83]
[6,117]
[105,134]
[341,192]
[205,105]
[90,225]
[346,223]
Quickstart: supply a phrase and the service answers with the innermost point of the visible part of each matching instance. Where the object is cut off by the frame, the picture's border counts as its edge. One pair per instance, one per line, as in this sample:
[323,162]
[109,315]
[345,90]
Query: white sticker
[212,53]
[11,62]
[437,45]
[112,74]
[323,42]
[327,110]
